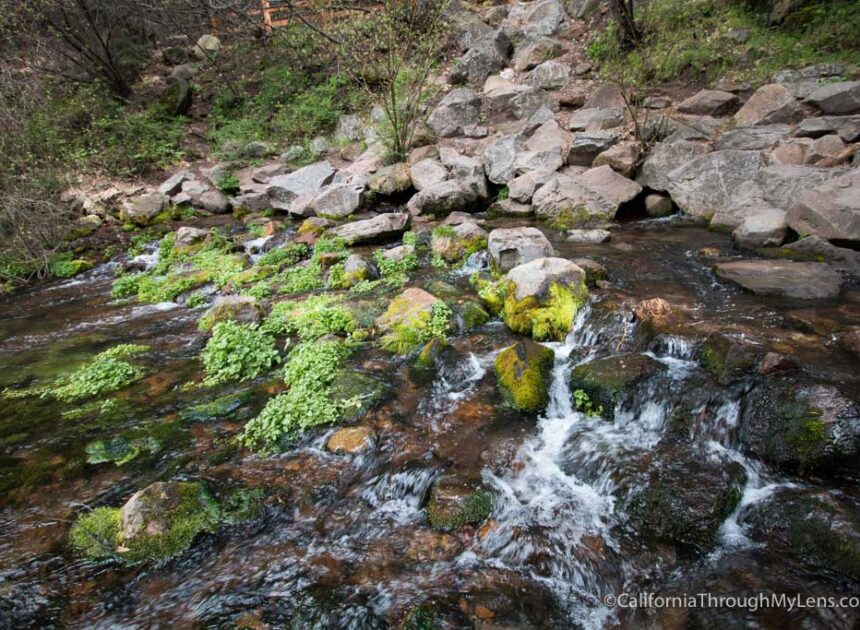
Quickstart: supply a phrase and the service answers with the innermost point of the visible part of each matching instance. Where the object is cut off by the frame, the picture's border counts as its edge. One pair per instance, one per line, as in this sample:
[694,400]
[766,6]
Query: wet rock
[391,180]
[776,363]
[406,319]
[727,358]
[651,308]
[523,375]
[710,183]
[665,158]
[765,228]
[801,425]
[443,198]
[488,55]
[831,210]
[585,146]
[687,498]
[351,440]
[510,247]
[473,315]
[225,407]
[800,280]
[810,525]
[379,228]
[622,158]
[837,98]
[751,138]
[850,341]
[588,236]
[846,262]
[594,271]
[607,381]
[709,103]
[338,201]
[143,209]
[283,189]
[770,104]
[454,244]
[549,75]
[427,172]
[455,503]
[594,195]
[459,109]
[657,206]
[237,308]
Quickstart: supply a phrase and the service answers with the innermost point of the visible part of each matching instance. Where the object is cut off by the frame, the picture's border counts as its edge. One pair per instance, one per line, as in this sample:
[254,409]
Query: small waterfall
[477,262]
[454,383]
[399,495]
[254,248]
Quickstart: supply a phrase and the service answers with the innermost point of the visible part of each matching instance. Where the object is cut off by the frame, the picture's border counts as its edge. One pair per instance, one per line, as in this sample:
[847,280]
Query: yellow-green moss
[548,318]
[523,372]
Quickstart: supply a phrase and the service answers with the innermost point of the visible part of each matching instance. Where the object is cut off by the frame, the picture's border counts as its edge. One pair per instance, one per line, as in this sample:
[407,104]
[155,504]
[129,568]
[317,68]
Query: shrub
[237,352]
[310,319]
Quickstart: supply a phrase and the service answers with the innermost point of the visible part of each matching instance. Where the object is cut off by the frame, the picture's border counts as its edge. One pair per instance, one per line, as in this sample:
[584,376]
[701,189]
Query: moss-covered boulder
[222,407]
[454,503]
[801,425]
[160,521]
[413,318]
[175,100]
[454,244]
[236,308]
[687,498]
[119,450]
[606,381]
[473,315]
[811,526]
[523,374]
[728,359]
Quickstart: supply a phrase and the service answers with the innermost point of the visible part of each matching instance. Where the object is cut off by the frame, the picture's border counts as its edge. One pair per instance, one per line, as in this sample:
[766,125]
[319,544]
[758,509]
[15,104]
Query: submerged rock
[801,280]
[238,308]
[523,374]
[455,503]
[606,381]
[351,439]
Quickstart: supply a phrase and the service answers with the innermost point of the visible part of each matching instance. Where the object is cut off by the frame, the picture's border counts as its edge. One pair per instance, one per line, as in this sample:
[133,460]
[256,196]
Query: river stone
[665,158]
[800,280]
[837,98]
[765,228]
[532,52]
[588,236]
[500,158]
[413,304]
[622,158]
[752,138]
[427,172]
[523,375]
[657,205]
[351,440]
[596,119]
[338,201]
[609,381]
[462,239]
[142,209]
[510,247]
[443,198]
[687,498]
[455,503]
[283,189]
[830,210]
[534,19]
[378,228]
[459,109]
[595,195]
[587,145]
[710,183]
[801,425]
[770,104]
[391,180]
[845,261]
[549,75]
[594,271]
[533,279]
[243,309]
[708,103]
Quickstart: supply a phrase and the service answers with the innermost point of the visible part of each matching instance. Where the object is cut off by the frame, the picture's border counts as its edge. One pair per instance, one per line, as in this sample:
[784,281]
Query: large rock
[596,119]
[837,98]
[711,182]
[500,158]
[468,171]
[533,19]
[459,109]
[175,100]
[764,228]
[443,198]
[283,189]
[528,101]
[801,425]
[587,145]
[488,55]
[522,188]
[606,95]
[338,201]
[608,382]
[549,75]
[454,244]
[215,201]
[806,150]
[846,127]
[622,158]
[454,503]
[173,184]
[207,46]
[235,308]
[830,210]
[752,138]
[391,180]
[546,150]
[532,52]
[708,103]
[142,209]
[511,247]
[523,375]
[770,104]
[379,228]
[799,280]
[427,172]
[596,194]
[665,158]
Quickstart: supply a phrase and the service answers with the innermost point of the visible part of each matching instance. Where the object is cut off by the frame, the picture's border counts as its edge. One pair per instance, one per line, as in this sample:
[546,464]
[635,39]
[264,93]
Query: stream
[342,541]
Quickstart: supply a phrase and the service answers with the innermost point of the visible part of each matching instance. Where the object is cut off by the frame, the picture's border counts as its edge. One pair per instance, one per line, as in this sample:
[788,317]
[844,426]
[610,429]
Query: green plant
[283,256]
[584,404]
[228,183]
[311,318]
[106,372]
[237,352]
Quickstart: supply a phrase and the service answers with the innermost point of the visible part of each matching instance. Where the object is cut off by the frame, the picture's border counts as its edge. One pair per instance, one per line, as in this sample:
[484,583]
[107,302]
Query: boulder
[830,210]
[657,206]
[337,201]
[215,201]
[522,188]
[459,109]
[541,116]
[526,102]
[845,261]
[500,158]
[488,55]
[175,100]
[187,236]
[770,104]
[837,98]
[594,195]
[799,280]
[351,440]
[283,189]
[534,19]
[665,158]
[407,322]
[468,171]
[349,129]
[546,150]
[510,208]
[594,271]
[549,75]
[427,172]
[523,375]
[765,228]
[710,183]
[608,382]
[379,228]
[606,95]
[173,184]
[806,150]
[846,127]
[594,237]
[141,210]
[596,119]
[751,138]
[800,424]
[532,52]
[391,180]
[585,146]
[709,103]
[207,46]
[443,198]
[728,358]
[510,247]
[622,158]
[455,244]
[184,71]
[233,308]
[470,31]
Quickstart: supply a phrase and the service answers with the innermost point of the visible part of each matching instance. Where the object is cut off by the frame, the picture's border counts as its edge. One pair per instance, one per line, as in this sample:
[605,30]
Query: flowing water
[343,541]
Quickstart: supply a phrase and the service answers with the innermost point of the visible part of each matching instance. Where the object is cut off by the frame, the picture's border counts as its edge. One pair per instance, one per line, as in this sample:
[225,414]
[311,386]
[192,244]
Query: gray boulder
[831,210]
[532,52]
[443,198]
[459,109]
[215,201]
[665,158]
[708,103]
[391,180]
[595,195]
[500,158]
[596,119]
[587,145]
[837,98]
[379,228]
[338,200]
[550,75]
[173,184]
[533,19]
[764,228]
[846,127]
[488,55]
[142,209]
[534,278]
[751,138]
[283,189]
[510,247]
[468,171]
[510,208]
[782,278]
[522,188]
[427,172]
[770,104]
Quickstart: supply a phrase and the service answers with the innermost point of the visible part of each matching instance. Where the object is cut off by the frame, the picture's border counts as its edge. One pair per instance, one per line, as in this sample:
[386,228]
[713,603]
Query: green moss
[65,266]
[311,318]
[805,431]
[472,509]
[492,294]
[474,316]
[426,359]
[119,450]
[548,318]
[569,218]
[220,408]
[523,372]
[420,618]
[410,333]
[241,505]
[599,385]
[284,256]
[94,535]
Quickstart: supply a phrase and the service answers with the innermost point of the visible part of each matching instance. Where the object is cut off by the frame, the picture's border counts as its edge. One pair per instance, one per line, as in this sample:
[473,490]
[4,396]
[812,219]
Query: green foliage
[106,372]
[390,268]
[119,450]
[584,404]
[413,332]
[309,373]
[228,183]
[237,352]
[310,319]
[94,535]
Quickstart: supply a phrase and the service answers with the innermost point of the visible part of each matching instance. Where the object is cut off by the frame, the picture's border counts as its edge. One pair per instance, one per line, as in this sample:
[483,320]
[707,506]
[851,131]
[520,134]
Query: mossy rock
[523,374]
[474,315]
[119,450]
[174,101]
[411,319]
[160,521]
[351,383]
[491,293]
[548,318]
[220,408]
[727,359]
[426,359]
[605,381]
[454,503]
[234,308]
